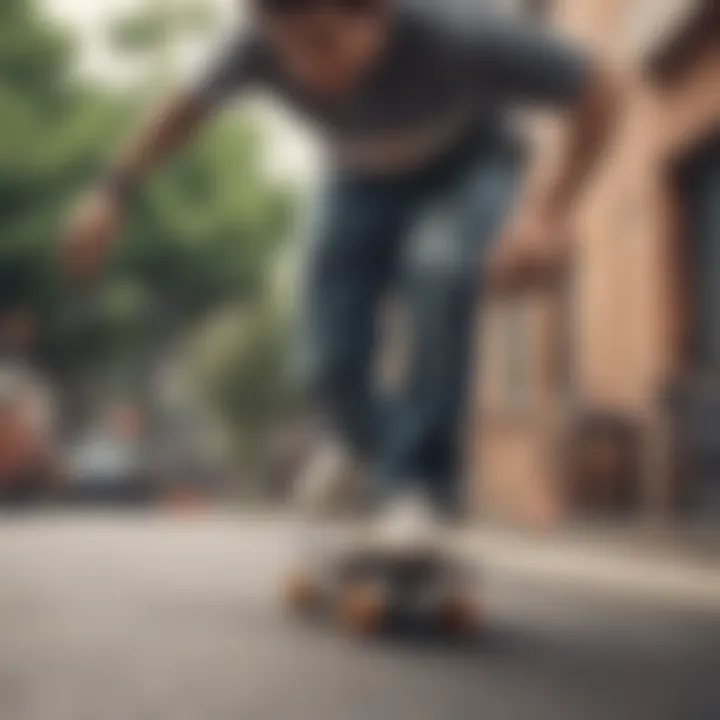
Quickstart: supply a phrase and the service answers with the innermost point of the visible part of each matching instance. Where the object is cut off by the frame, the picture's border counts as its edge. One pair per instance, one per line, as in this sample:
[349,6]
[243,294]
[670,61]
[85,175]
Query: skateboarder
[415,109]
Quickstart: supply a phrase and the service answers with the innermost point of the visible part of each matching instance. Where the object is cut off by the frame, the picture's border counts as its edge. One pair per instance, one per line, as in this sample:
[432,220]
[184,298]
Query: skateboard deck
[367,587]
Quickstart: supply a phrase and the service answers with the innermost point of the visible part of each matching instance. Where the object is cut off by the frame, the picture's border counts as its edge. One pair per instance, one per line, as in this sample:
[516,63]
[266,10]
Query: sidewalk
[675,565]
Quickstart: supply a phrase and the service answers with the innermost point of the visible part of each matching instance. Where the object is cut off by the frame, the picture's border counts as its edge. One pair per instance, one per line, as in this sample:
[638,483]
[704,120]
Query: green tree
[205,231]
[208,226]
[251,387]
[53,131]
[208,230]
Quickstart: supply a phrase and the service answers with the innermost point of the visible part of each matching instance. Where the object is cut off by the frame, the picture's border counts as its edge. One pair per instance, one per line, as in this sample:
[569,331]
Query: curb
[615,568]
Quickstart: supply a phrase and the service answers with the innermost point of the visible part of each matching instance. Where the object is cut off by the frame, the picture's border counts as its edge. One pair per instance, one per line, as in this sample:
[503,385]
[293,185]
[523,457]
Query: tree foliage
[204,231]
[159,24]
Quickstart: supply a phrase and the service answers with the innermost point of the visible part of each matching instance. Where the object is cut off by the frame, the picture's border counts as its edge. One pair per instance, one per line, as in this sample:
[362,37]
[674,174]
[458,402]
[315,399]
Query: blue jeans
[702,193]
[424,237]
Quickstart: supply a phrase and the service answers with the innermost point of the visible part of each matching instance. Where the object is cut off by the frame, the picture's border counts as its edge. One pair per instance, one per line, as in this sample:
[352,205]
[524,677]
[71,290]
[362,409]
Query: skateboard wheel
[301,593]
[459,616]
[362,609]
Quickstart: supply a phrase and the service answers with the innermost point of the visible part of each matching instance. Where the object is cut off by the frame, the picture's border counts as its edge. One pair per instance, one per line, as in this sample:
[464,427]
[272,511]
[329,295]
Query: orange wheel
[459,615]
[301,593]
[362,609]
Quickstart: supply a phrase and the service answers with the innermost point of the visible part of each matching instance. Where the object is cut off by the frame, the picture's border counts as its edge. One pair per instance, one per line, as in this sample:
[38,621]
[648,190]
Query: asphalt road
[145,618]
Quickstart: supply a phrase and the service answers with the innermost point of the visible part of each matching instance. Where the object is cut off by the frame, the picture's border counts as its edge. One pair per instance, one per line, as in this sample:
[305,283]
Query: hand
[534,245]
[88,238]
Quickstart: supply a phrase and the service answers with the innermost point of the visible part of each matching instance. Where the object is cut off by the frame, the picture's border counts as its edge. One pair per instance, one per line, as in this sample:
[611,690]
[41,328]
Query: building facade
[594,387]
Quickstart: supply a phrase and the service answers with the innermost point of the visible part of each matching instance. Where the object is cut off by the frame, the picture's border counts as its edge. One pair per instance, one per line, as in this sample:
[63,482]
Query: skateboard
[369,588]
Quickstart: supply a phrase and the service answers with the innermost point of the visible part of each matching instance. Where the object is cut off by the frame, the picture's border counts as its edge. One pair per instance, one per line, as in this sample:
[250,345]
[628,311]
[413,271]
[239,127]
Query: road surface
[142,618]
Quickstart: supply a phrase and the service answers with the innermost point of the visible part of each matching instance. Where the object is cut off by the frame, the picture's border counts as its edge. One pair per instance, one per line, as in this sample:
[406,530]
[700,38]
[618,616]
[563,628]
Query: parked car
[105,469]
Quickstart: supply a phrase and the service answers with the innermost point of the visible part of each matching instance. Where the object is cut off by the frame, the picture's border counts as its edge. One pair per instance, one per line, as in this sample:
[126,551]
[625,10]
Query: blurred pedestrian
[28,458]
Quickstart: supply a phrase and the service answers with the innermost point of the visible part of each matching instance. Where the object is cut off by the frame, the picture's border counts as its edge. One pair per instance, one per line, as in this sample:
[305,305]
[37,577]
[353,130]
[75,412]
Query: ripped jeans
[423,238]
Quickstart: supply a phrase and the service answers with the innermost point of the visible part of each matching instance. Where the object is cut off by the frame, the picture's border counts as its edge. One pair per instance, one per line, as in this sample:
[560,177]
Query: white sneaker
[330,483]
[409,523]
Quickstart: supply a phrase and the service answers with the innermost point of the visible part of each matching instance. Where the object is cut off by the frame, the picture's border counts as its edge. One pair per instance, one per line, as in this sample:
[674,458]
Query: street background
[150,430]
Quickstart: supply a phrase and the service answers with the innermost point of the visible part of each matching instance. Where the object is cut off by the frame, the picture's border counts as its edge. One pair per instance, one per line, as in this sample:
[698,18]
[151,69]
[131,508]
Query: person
[415,107]
[28,449]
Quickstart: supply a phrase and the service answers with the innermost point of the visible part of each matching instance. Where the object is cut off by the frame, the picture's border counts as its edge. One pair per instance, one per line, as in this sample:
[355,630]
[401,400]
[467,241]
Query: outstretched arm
[586,133]
[100,213]
[531,68]
[536,238]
